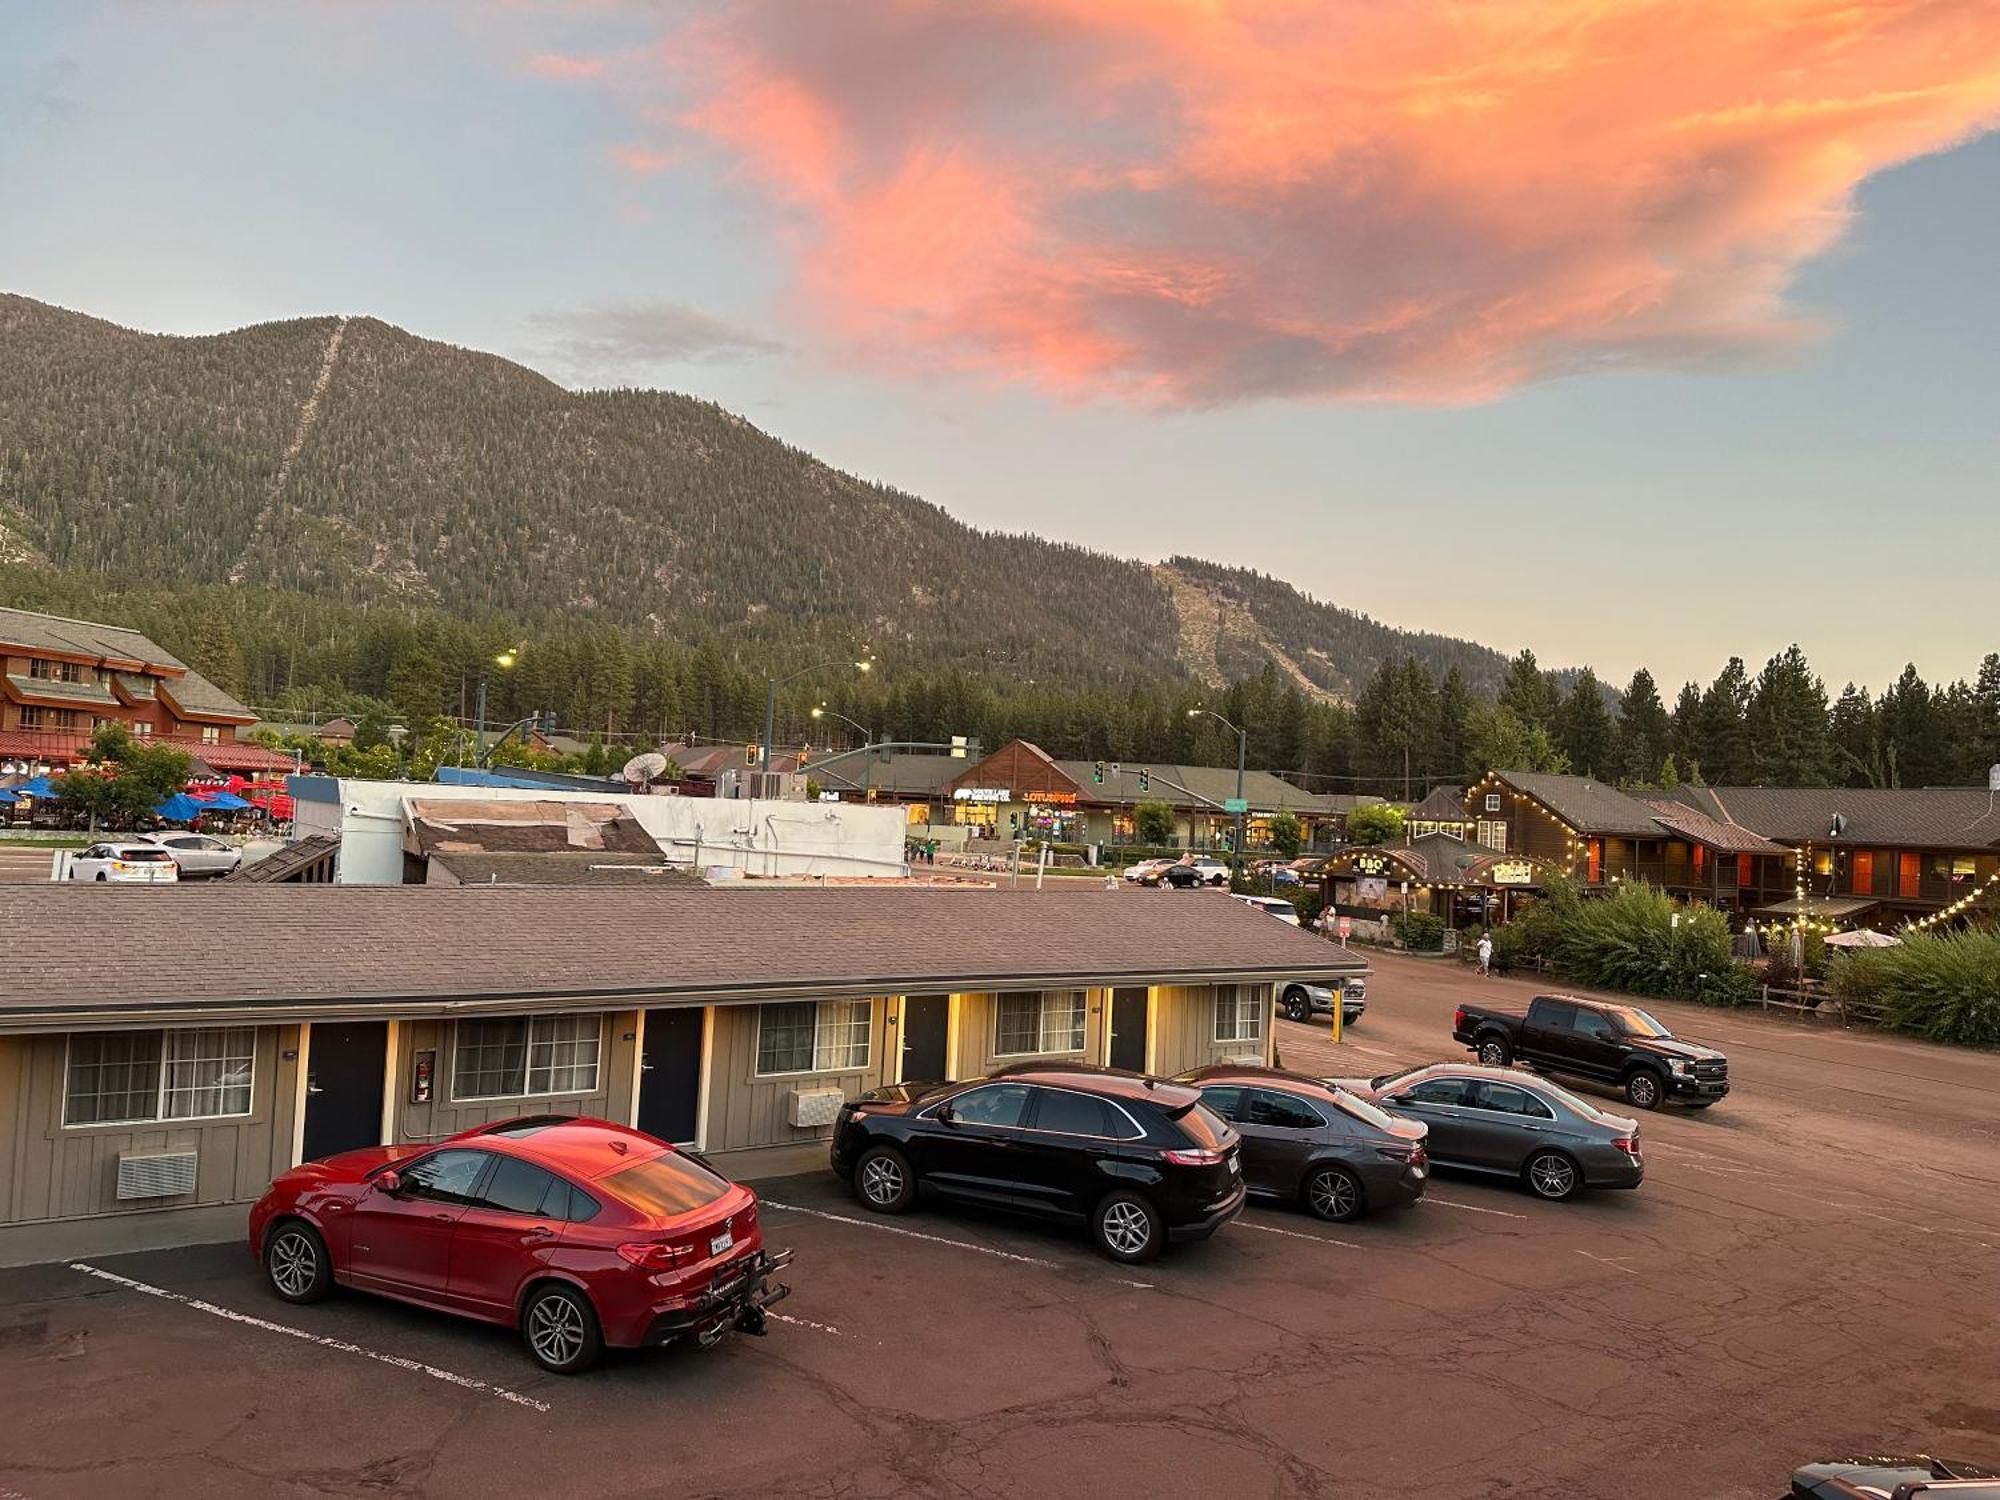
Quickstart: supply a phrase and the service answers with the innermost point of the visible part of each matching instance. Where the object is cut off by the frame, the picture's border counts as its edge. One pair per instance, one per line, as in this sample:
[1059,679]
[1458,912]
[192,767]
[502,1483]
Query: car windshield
[665,1185]
[1362,1110]
[1633,1021]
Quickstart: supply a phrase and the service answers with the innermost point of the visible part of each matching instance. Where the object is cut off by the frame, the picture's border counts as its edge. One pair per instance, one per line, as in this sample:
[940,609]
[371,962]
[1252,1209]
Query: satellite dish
[1839,826]
[641,769]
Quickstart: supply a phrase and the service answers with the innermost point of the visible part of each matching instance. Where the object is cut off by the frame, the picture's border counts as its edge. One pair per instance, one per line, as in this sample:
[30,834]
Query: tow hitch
[740,1300]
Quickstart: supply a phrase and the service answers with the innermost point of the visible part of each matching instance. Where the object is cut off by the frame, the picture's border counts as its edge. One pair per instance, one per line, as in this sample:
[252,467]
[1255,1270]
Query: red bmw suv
[578,1232]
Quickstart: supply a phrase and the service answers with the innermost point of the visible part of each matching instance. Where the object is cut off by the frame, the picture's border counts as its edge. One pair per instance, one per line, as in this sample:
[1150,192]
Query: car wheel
[1128,1228]
[296,1262]
[884,1180]
[1645,1089]
[560,1328]
[1298,1004]
[1334,1194]
[102,876]
[1552,1175]
[1495,1053]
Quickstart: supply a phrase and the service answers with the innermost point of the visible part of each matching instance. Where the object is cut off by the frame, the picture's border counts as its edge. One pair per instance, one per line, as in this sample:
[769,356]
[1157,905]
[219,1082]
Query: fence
[1816,1001]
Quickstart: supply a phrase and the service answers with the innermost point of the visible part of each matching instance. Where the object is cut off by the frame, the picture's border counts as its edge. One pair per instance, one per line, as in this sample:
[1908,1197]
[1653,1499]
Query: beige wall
[443,1116]
[970,1053]
[751,1113]
[49,1171]
[1183,1029]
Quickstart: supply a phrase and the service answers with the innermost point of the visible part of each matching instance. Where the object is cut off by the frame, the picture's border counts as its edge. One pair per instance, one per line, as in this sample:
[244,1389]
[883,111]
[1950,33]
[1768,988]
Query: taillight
[1420,1156]
[1629,1144]
[1197,1158]
[652,1255]
[1458,1019]
[856,1114]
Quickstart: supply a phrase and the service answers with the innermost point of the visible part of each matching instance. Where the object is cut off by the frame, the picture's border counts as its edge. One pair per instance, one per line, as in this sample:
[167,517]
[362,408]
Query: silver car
[198,853]
[1512,1124]
[1301,999]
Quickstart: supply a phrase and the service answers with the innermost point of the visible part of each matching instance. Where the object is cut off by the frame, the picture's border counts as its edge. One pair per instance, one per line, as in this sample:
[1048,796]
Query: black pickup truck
[1616,1044]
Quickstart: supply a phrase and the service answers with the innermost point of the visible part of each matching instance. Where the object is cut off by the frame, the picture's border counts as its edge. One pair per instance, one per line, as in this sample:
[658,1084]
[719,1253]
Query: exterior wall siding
[748,1112]
[1184,1029]
[976,1035]
[444,1116]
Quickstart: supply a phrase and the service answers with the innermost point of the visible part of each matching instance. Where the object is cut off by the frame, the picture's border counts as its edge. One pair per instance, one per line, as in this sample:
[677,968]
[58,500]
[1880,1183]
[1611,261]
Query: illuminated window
[1909,875]
[1862,872]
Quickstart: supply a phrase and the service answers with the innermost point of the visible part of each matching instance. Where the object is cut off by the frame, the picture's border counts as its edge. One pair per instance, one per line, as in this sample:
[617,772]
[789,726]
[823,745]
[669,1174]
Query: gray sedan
[1513,1124]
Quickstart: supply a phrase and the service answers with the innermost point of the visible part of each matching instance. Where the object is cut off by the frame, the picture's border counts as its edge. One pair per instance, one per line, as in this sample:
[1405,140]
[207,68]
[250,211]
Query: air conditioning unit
[772,786]
[166,1174]
[812,1108]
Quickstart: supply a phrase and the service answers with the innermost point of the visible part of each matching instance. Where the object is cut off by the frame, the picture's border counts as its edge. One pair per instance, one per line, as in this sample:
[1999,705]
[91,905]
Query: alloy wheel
[294,1263]
[555,1329]
[1493,1054]
[1643,1090]
[1127,1228]
[882,1180]
[1333,1195]
[1552,1176]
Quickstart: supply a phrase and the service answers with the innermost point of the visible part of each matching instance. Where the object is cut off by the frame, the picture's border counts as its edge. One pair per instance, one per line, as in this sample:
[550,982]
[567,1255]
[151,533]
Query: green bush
[1944,987]
[1629,941]
[1420,931]
[1374,823]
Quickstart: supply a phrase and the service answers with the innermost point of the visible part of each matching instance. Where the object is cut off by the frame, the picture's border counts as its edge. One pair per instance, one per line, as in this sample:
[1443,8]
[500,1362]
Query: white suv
[198,853]
[145,864]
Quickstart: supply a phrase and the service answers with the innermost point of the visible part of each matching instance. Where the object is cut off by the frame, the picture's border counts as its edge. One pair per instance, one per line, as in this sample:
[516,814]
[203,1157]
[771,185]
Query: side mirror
[946,1115]
[391,1183]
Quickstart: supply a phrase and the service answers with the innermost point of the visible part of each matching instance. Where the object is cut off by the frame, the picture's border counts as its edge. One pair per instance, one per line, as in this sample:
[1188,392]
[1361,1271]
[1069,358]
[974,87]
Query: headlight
[1680,1065]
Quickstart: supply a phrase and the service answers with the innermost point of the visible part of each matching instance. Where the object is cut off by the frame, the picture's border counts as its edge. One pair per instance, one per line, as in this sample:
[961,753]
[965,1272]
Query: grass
[62,841]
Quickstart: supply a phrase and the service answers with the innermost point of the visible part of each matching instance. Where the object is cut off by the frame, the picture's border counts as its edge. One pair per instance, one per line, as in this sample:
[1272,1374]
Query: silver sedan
[1508,1123]
[199,853]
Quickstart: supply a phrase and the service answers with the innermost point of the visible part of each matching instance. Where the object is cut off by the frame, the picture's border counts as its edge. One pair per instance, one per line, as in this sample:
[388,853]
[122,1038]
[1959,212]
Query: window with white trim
[1492,802]
[1027,1025]
[1239,1013]
[1493,835]
[518,1057]
[808,1036]
[133,1077]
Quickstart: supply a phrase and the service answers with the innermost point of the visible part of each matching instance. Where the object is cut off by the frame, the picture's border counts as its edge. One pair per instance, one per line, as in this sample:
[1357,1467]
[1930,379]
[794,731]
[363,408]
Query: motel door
[670,1074]
[926,1024]
[1128,1029]
[345,1064]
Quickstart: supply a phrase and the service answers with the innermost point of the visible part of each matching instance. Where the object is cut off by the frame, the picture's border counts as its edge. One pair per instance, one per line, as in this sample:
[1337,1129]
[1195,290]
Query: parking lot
[1810,1267]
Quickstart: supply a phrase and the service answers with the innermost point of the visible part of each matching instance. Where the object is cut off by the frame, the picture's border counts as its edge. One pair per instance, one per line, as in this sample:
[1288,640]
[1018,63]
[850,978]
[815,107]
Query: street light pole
[867,743]
[1242,756]
[771,686]
[505,662]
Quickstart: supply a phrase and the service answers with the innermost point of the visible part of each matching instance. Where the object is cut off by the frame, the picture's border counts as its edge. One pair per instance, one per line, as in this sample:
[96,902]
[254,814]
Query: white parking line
[450,1377]
[1471,1208]
[1293,1234]
[778,1317]
[915,1234]
[1613,1262]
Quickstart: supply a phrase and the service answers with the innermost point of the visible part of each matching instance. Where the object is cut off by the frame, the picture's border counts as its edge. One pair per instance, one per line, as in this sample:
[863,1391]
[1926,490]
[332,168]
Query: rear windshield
[665,1185]
[1361,1109]
[141,856]
[1204,1127]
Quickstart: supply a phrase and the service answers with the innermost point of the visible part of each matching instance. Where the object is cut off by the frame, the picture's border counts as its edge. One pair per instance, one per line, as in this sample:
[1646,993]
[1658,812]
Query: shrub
[1944,987]
[1288,834]
[1420,931]
[1374,823]
[1629,941]
[1153,821]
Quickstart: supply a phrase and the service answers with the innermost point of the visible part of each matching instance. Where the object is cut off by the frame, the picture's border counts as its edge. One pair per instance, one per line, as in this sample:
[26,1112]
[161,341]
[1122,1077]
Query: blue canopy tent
[223,802]
[180,808]
[40,788]
[7,796]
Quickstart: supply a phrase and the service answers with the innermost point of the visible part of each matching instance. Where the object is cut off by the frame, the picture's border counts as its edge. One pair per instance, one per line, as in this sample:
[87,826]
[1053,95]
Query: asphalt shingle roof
[418,945]
[1948,817]
[21,627]
[1586,805]
[1731,838]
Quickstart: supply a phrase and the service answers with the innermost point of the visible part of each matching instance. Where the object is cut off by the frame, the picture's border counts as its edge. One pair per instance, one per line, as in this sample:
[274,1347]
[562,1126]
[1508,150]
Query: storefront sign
[982,794]
[1370,864]
[1511,872]
[1052,799]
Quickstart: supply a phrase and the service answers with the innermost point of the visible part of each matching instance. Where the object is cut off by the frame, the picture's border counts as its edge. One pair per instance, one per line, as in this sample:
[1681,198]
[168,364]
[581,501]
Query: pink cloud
[562,68]
[1195,201]
[644,161]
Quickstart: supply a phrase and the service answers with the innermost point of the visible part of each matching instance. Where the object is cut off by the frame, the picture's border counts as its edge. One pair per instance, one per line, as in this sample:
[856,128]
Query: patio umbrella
[7,796]
[40,788]
[180,808]
[223,802]
[1863,937]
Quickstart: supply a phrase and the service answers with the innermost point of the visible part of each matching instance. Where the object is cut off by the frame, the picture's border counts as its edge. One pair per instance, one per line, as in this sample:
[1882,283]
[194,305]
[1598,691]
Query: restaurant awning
[1821,908]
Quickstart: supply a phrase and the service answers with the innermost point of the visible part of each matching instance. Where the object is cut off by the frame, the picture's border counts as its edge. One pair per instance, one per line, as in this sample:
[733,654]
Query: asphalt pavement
[1810,1268]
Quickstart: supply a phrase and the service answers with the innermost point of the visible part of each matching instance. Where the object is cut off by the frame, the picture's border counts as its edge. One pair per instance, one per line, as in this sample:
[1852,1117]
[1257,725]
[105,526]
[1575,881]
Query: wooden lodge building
[1838,856]
[144,1105]
[61,678]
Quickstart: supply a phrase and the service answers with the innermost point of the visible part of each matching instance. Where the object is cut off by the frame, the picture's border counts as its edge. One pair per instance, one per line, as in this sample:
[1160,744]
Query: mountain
[346,460]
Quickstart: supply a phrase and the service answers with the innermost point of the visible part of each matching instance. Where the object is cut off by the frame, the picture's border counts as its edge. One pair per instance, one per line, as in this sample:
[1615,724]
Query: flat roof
[273,952]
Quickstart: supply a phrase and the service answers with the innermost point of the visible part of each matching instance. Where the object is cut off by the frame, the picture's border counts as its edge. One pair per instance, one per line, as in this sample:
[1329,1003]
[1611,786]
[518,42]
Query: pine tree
[1718,724]
[1528,693]
[1912,731]
[1584,731]
[1857,743]
[1455,708]
[1644,730]
[1785,724]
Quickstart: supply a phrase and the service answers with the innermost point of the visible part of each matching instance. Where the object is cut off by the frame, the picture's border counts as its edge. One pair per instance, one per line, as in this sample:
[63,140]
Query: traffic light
[548,721]
[804,752]
[1097,775]
[1146,779]
[750,753]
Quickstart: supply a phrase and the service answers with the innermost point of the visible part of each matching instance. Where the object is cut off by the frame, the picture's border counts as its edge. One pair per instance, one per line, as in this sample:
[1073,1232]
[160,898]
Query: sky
[1637,333]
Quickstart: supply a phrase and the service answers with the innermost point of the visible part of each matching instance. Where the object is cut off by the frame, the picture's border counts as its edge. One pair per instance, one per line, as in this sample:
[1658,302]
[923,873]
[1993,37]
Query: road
[1811,1267]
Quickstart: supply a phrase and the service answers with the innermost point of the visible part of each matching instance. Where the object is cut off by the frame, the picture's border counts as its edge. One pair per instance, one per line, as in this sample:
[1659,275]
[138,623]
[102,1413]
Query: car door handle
[539,1233]
[442,1218]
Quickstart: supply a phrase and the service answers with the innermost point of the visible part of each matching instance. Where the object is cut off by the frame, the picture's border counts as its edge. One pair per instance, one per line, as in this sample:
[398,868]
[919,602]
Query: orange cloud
[563,68]
[1195,201]
[643,160]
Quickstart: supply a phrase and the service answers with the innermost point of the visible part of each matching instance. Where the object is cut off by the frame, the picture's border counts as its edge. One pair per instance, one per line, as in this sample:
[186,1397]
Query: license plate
[721,1242]
[1420,1173]
[1235,1165]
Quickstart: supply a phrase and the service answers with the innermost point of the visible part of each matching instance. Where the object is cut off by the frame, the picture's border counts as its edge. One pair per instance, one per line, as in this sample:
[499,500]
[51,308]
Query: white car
[1145,869]
[198,853]
[1276,906]
[143,863]
[1302,999]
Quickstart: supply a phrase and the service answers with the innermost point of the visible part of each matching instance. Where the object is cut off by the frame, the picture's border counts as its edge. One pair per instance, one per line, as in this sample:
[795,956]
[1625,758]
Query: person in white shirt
[1485,954]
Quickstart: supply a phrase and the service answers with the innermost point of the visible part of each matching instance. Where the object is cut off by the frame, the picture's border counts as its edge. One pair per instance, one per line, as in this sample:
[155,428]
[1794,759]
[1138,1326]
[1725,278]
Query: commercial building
[61,678]
[145,1105]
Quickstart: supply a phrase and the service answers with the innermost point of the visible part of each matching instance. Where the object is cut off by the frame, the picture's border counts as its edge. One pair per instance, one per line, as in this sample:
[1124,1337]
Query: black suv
[1139,1160]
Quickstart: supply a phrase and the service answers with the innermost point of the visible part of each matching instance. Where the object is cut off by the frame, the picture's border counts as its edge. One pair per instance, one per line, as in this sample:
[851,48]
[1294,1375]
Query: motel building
[146,1105]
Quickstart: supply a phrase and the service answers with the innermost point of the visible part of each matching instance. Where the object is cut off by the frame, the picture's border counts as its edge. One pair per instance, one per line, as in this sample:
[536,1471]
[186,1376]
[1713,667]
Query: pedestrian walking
[1485,955]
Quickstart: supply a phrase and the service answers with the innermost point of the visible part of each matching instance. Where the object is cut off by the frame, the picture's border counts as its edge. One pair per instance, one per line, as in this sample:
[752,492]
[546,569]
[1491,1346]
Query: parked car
[1301,999]
[1146,871]
[1620,1045]
[1305,1142]
[1139,1160]
[1187,874]
[1512,1124]
[140,863]
[577,1232]
[198,853]
[1286,875]
[1274,906]
[1893,1479]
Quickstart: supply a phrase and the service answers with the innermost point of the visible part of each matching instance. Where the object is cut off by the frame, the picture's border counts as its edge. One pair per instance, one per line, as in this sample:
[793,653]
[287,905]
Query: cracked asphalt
[1811,1267]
